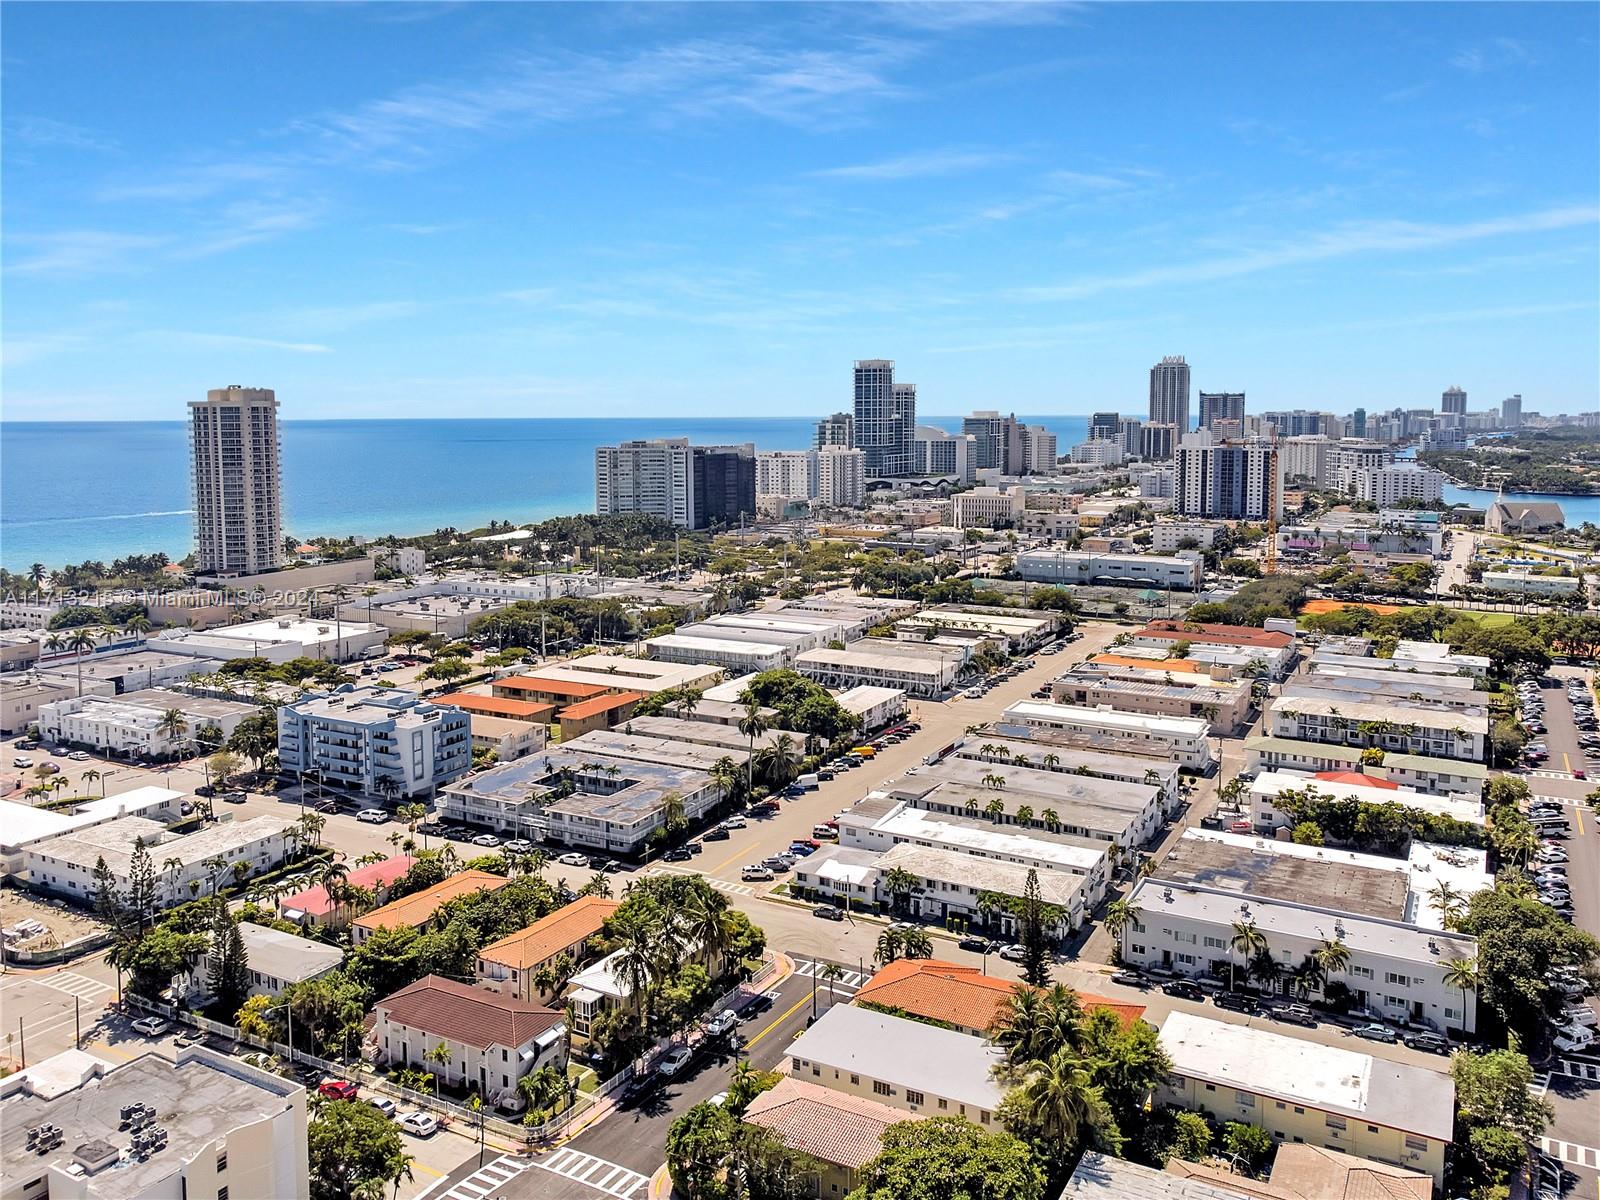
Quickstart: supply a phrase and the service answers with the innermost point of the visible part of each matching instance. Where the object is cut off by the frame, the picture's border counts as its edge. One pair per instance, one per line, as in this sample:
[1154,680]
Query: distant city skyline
[557,210]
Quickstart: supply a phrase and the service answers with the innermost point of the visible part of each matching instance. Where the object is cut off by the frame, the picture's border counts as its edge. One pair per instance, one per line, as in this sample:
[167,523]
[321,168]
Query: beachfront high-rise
[693,487]
[1220,406]
[1511,412]
[1454,400]
[1169,393]
[235,475]
[885,418]
[837,429]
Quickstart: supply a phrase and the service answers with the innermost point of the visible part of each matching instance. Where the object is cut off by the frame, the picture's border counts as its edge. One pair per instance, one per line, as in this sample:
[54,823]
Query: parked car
[756,873]
[974,943]
[1182,989]
[519,846]
[418,1124]
[677,854]
[609,865]
[1431,1042]
[1129,979]
[1294,1014]
[1015,952]
[1236,1001]
[734,822]
[337,1089]
[487,840]
[722,1024]
[716,833]
[574,859]
[384,1105]
[372,816]
[22,760]
[1373,1032]
[79,756]
[676,1060]
[151,1026]
[827,912]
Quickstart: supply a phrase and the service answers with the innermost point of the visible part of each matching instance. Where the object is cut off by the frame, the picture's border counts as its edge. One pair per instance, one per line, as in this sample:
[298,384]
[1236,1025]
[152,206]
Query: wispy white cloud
[230,341]
[80,251]
[940,16]
[46,131]
[188,184]
[338,317]
[244,224]
[20,351]
[923,164]
[1494,54]
[1365,237]
[416,230]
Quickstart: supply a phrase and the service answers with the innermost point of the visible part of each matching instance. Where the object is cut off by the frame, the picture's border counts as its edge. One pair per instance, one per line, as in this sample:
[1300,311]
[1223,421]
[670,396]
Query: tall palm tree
[1462,973]
[1447,900]
[1308,976]
[80,641]
[91,775]
[1051,818]
[753,724]
[36,574]
[995,809]
[173,724]
[703,922]
[888,948]
[898,882]
[335,881]
[1333,957]
[1119,914]
[830,972]
[915,943]
[1248,941]
[1062,1101]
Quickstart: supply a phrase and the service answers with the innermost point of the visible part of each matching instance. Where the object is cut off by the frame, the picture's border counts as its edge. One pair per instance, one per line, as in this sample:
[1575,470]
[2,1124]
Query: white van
[1573,1038]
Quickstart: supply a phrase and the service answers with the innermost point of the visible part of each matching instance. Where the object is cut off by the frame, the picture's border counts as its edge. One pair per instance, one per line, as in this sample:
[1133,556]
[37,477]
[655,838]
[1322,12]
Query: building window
[1333,1122]
[915,1097]
[222,1160]
[855,1081]
[1244,1099]
[816,1070]
[983,1117]
[943,1103]
[1416,1143]
[881,1088]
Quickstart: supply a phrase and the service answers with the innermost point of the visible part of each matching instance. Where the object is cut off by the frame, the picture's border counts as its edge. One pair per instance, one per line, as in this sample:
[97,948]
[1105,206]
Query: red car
[337,1089]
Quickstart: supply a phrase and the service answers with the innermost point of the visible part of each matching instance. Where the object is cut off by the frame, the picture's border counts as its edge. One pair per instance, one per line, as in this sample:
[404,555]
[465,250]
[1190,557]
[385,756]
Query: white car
[151,1026]
[418,1124]
[574,860]
[384,1105]
[519,846]
[79,756]
[372,816]
[676,1060]
[1579,1014]
[22,760]
[1573,1038]
[487,840]
[734,822]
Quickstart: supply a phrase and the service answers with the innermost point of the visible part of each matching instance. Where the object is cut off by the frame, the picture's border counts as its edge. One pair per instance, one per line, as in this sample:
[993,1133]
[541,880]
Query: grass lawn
[585,1078]
[1492,619]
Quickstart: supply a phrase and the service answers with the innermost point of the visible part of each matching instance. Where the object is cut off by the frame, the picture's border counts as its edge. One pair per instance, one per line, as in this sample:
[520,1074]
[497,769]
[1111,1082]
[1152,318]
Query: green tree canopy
[947,1158]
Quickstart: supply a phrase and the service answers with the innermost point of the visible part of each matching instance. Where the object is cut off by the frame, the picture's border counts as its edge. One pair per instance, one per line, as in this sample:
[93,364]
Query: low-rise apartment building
[24,825]
[1266,788]
[624,673]
[1185,740]
[907,1065]
[231,1129]
[419,908]
[841,1132]
[355,737]
[1019,629]
[507,738]
[1182,572]
[1222,705]
[66,864]
[1380,687]
[1434,776]
[1168,537]
[512,966]
[987,507]
[136,723]
[275,960]
[1404,726]
[1524,581]
[493,1040]
[1040,750]
[959,997]
[1302,1091]
[918,669]
[314,906]
[874,707]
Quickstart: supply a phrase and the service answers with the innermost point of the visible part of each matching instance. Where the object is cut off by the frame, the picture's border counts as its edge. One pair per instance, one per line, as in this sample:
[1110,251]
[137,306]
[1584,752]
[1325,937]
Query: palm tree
[173,724]
[37,573]
[1248,941]
[995,809]
[1119,914]
[899,883]
[915,943]
[703,922]
[753,724]
[1025,815]
[1332,956]
[215,866]
[1265,969]
[1462,973]
[888,948]
[1051,761]
[972,804]
[440,1054]
[1051,819]
[335,881]
[91,775]
[1447,900]
[1062,1101]
[830,972]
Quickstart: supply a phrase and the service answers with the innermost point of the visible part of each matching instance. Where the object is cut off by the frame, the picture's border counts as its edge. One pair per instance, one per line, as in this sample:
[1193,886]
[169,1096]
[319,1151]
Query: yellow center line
[420,1166]
[1578,810]
[779,1020]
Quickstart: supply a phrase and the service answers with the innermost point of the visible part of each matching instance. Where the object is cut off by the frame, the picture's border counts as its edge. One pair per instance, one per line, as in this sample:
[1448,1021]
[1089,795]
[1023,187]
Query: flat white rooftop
[974,836]
[1333,1080]
[1104,718]
[1275,783]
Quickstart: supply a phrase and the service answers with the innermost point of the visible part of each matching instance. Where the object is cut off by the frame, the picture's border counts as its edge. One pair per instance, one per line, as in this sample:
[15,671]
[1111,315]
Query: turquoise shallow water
[73,491]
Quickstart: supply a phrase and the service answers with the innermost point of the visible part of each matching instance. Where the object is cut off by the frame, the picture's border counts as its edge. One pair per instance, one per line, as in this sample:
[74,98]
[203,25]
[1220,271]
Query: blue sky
[506,210]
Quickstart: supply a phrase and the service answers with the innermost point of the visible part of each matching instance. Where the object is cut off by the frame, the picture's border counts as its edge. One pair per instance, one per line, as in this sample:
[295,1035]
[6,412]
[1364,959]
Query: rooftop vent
[95,1155]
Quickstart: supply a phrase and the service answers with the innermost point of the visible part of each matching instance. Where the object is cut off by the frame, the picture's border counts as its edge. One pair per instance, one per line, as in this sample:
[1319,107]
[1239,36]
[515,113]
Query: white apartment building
[1182,571]
[875,707]
[987,507]
[1224,480]
[1396,968]
[1055,525]
[234,472]
[1038,450]
[405,560]
[917,669]
[841,477]
[1346,459]
[1302,1091]
[791,474]
[1388,486]
[655,477]
[232,1130]
[1185,740]
[1166,536]
[1156,483]
[1433,776]
[939,453]
[276,639]
[135,723]
[1268,786]
[1406,727]
[1099,452]
[908,1065]
[1304,460]
[24,825]
[353,737]
[275,959]
[66,864]
[1525,582]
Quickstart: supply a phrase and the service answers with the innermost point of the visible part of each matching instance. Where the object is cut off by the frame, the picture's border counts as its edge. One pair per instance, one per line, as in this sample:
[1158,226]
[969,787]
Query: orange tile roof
[600,704]
[314,901]
[553,687]
[959,995]
[1148,664]
[1357,779]
[1226,635]
[835,1127]
[498,706]
[551,934]
[416,909]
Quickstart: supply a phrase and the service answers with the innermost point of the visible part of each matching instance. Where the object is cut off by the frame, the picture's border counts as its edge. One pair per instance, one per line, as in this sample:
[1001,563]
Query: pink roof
[314,900]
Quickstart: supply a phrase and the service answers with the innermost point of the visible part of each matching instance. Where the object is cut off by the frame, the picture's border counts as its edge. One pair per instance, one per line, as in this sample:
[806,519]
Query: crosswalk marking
[486,1179]
[1540,1085]
[1571,1152]
[722,885]
[74,984]
[593,1172]
[849,981]
[1577,1068]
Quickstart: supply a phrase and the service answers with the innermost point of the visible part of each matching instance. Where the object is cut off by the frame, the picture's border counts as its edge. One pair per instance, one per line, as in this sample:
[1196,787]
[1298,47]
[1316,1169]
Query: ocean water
[72,491]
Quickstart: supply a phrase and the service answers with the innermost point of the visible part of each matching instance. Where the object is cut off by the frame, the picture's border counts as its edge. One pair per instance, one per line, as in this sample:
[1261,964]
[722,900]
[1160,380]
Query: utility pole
[77,1024]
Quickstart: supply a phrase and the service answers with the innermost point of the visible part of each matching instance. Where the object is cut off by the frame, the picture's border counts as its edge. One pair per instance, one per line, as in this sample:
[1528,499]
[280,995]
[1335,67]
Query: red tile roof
[1356,779]
[1227,635]
[959,995]
[835,1127]
[418,908]
[498,706]
[376,876]
[552,687]
[462,1013]
[551,934]
[599,704]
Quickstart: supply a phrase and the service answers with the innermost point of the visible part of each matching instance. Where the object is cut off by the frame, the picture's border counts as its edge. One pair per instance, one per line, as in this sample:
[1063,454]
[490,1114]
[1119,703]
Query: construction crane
[1274,499]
